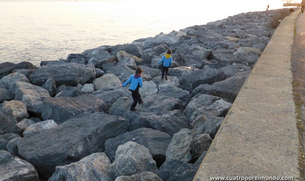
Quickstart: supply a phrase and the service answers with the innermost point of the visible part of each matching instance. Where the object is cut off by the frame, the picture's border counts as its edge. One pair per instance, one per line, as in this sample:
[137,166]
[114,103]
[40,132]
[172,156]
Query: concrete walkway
[259,138]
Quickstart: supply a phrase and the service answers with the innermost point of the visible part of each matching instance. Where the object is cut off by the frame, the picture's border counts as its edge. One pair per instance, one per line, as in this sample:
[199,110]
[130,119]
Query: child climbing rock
[135,82]
[166,63]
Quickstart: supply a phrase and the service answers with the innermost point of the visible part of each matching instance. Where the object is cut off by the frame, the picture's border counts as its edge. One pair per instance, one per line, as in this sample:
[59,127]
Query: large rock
[175,170]
[111,95]
[125,58]
[69,74]
[175,92]
[193,56]
[15,169]
[62,108]
[143,176]
[31,95]
[129,48]
[200,144]
[95,167]
[8,67]
[180,146]
[154,140]
[208,125]
[41,126]
[122,71]
[148,88]
[166,39]
[227,89]
[6,138]
[132,158]
[149,71]
[10,79]
[204,76]
[247,55]
[207,105]
[71,141]
[50,86]
[7,122]
[17,108]
[157,112]
[157,104]
[5,95]
[22,125]
[69,91]
[107,81]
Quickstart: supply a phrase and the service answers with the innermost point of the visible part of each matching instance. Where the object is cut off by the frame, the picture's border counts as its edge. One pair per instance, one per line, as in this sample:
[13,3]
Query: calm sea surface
[50,30]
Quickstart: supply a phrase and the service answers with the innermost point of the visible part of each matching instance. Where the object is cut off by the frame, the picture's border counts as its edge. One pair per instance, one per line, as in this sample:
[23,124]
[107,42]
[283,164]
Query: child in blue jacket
[135,82]
[167,62]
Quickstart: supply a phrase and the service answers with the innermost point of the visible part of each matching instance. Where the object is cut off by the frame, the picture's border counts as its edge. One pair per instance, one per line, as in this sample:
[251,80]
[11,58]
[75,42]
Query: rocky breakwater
[70,119]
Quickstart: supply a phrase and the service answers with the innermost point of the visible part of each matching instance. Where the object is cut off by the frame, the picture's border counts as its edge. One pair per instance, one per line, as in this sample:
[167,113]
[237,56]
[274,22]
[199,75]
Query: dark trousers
[164,70]
[136,98]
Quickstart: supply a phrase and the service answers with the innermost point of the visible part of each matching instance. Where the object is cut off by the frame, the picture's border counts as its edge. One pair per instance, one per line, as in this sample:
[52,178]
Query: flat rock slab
[69,142]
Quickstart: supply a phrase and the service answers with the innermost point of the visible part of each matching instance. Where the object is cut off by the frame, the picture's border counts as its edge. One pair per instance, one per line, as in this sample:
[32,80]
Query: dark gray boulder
[200,144]
[175,92]
[143,176]
[22,125]
[5,95]
[154,103]
[110,95]
[156,141]
[224,56]
[123,72]
[70,92]
[11,146]
[6,138]
[69,74]
[203,76]
[149,71]
[71,141]
[206,125]
[62,108]
[157,112]
[50,86]
[8,67]
[191,56]
[10,79]
[31,95]
[132,158]
[16,169]
[203,104]
[227,89]
[7,122]
[174,170]
[147,56]
[129,48]
[170,122]
[95,167]
[180,146]
[76,58]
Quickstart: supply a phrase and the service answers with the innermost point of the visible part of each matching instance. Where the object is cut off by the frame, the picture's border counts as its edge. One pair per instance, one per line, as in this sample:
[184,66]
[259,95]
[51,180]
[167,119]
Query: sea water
[37,31]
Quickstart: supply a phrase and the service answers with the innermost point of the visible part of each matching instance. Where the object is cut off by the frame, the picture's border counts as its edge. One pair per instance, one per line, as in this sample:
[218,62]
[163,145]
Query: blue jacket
[167,60]
[134,82]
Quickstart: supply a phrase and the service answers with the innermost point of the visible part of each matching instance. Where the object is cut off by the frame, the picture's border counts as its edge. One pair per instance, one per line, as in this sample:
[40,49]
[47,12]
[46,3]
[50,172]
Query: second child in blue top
[166,63]
[135,82]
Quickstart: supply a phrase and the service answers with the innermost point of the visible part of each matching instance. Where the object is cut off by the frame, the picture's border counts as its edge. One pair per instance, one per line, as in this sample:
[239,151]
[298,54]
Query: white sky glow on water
[37,30]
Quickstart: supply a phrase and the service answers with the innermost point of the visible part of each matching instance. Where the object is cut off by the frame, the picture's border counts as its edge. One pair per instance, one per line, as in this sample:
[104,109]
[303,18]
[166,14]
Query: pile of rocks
[70,119]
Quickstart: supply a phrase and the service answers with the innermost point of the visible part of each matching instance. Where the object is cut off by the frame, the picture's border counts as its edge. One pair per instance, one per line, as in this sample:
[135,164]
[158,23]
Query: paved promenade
[259,137]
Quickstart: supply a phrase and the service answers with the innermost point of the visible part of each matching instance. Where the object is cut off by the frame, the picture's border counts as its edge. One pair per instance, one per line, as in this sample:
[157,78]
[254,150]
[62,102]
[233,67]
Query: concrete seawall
[259,137]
